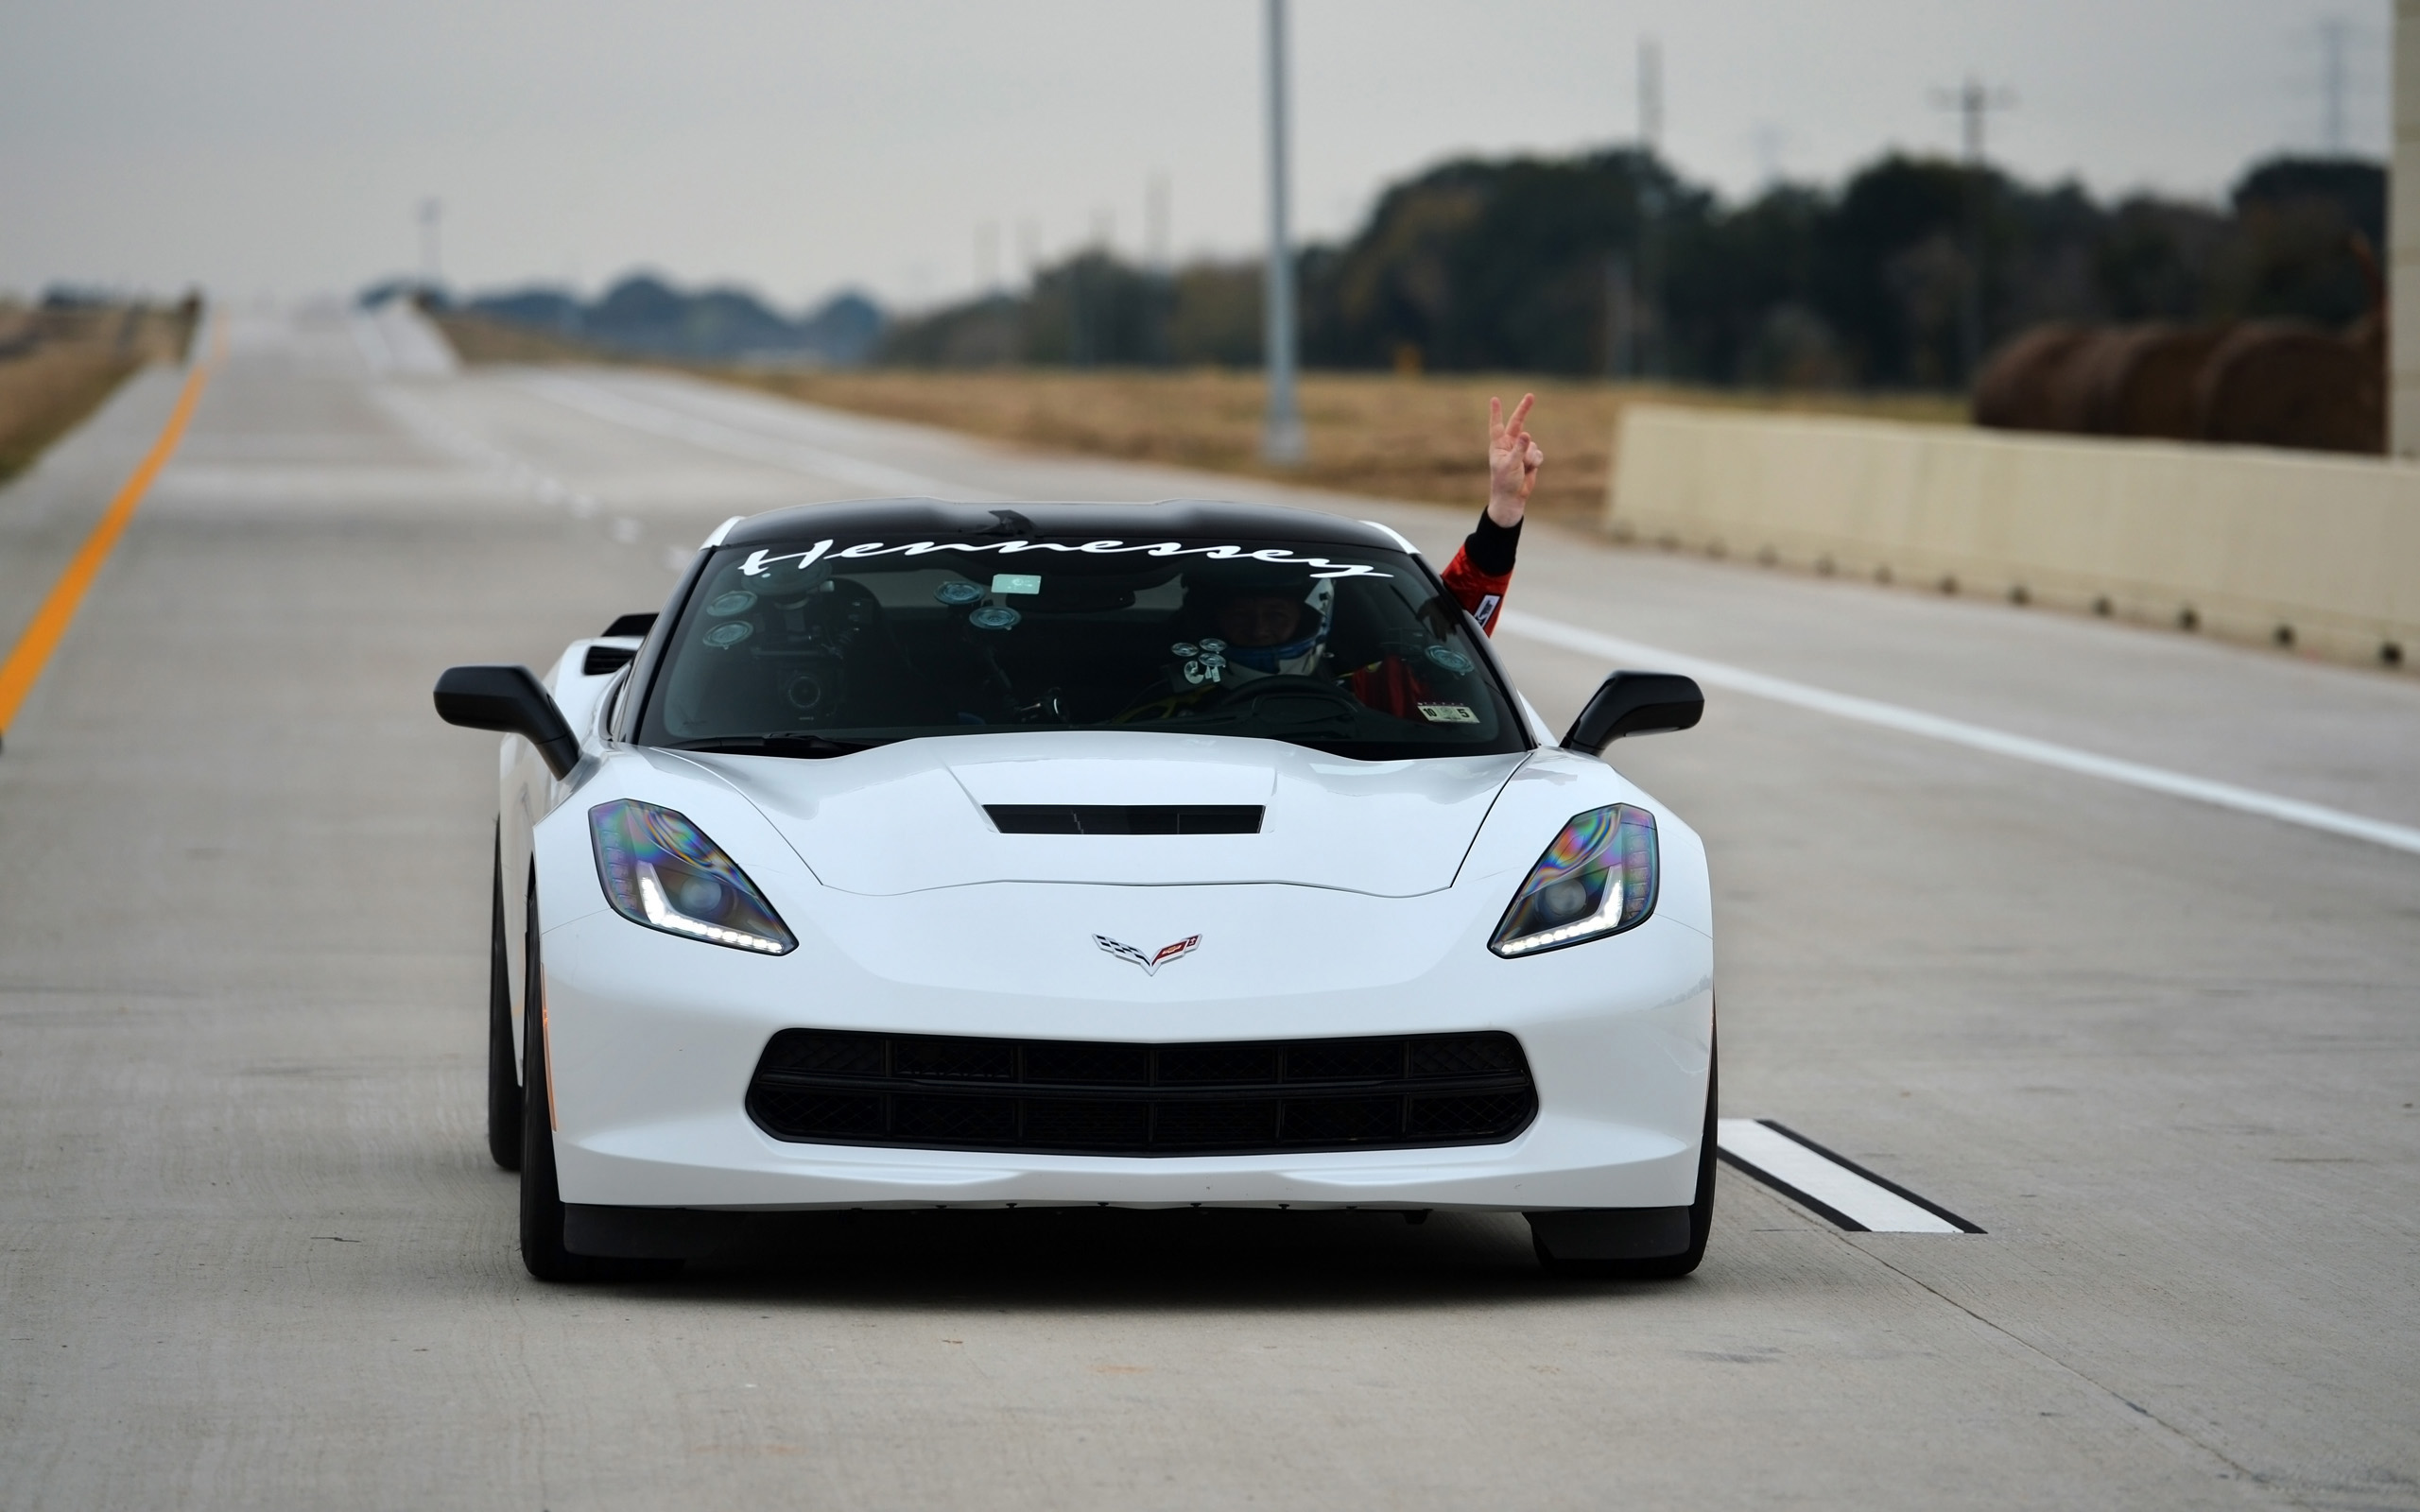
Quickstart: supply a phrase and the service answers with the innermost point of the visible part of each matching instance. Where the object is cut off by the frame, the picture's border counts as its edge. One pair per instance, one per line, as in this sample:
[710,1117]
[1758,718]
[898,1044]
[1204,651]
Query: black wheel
[1661,1267]
[503,1076]
[542,1202]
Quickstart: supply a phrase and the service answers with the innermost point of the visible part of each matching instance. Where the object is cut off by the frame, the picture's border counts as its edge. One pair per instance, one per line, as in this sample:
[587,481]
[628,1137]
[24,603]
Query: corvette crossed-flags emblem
[1151,963]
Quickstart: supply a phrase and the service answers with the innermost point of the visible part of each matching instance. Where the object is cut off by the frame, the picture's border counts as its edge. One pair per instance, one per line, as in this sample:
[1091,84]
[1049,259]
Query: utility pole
[2403,232]
[1621,319]
[1281,430]
[1156,253]
[1651,94]
[2331,83]
[431,270]
[1974,103]
[1642,308]
[987,260]
[1159,283]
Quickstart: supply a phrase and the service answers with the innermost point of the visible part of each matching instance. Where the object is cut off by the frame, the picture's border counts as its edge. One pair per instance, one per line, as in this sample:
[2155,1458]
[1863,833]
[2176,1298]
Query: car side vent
[603,659]
[1125,819]
[631,625]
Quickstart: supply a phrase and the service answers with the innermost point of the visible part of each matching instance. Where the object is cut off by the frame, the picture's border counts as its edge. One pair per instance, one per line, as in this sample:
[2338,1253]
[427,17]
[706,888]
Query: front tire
[1659,1267]
[503,1076]
[542,1200]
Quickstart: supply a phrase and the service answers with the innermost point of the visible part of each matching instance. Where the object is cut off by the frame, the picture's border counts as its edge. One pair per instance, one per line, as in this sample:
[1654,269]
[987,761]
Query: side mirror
[511,699]
[1635,703]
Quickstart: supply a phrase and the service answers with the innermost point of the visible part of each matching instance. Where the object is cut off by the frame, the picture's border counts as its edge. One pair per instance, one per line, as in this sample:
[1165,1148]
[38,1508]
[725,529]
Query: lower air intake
[1076,1097]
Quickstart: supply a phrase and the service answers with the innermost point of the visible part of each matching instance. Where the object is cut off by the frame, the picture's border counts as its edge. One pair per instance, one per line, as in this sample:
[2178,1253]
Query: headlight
[1597,879]
[659,871]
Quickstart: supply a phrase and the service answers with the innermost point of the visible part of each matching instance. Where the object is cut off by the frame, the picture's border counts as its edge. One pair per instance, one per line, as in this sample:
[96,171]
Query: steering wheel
[1287,685]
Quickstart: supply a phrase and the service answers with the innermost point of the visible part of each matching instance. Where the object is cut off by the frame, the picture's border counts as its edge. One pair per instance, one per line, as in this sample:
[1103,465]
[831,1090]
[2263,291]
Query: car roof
[1181,518]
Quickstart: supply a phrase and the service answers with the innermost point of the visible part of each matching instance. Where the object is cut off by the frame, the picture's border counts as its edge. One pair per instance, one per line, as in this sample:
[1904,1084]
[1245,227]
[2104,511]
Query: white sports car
[922,854]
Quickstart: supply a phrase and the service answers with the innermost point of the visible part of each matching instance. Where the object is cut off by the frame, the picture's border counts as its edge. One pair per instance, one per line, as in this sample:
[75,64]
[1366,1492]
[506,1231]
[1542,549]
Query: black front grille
[1077,1097]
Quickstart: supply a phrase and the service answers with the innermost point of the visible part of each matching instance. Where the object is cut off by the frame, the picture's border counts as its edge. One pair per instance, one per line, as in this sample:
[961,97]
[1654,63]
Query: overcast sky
[797,147]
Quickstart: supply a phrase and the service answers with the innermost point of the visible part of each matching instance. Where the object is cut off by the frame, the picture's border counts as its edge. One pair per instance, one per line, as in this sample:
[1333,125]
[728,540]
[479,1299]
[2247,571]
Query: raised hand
[1513,461]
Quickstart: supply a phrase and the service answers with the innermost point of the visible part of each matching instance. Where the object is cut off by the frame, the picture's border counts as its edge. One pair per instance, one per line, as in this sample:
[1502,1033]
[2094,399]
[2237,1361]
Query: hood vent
[1125,819]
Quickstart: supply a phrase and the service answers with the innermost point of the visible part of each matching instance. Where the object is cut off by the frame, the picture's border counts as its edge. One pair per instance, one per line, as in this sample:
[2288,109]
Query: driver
[1274,627]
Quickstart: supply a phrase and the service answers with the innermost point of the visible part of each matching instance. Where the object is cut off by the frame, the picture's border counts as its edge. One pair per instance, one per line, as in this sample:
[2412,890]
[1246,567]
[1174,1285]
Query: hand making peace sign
[1512,462]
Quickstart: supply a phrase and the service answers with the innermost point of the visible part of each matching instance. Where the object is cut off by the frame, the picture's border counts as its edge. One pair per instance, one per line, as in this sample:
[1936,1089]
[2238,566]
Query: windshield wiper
[803,743]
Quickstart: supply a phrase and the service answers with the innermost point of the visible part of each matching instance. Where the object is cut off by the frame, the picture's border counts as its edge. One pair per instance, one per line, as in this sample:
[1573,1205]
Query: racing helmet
[1300,655]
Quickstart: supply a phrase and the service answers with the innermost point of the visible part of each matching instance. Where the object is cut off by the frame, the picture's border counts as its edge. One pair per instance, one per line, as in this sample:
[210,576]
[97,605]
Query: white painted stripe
[1837,1187]
[1959,733]
[603,404]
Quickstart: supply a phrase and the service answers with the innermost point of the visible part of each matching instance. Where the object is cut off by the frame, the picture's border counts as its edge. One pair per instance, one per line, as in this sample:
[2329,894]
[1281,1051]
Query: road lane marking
[1833,1188]
[713,435]
[50,624]
[1959,733]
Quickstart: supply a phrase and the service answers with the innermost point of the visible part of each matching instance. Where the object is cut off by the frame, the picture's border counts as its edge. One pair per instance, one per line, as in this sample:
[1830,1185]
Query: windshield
[818,648]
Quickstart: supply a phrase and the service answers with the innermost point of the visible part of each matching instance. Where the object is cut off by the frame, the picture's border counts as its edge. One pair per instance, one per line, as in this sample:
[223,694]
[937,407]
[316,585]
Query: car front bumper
[653,1040]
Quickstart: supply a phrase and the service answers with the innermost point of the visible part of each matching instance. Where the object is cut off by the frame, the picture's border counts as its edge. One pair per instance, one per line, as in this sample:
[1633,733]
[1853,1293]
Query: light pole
[1281,432]
[431,270]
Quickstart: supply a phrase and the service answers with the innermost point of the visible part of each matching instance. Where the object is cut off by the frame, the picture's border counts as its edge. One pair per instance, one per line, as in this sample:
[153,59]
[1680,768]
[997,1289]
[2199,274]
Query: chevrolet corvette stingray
[937,855]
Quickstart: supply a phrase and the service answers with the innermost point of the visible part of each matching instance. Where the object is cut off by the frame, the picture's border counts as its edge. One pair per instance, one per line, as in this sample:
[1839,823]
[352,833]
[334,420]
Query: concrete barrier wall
[2319,552]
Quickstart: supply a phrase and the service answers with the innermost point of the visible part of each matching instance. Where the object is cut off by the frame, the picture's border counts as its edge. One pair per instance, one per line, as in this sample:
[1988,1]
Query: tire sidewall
[503,1076]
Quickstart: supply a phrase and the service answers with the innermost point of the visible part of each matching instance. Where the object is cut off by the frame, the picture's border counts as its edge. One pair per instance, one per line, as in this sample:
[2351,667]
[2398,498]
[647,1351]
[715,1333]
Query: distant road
[2161,1049]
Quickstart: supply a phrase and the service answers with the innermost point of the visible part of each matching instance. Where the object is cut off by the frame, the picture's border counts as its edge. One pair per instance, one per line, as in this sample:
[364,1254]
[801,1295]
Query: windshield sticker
[1448,713]
[760,563]
[1015,583]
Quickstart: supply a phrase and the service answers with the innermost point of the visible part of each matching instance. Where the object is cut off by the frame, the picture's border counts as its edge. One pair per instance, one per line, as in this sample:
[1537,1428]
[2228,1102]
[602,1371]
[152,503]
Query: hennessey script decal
[760,563]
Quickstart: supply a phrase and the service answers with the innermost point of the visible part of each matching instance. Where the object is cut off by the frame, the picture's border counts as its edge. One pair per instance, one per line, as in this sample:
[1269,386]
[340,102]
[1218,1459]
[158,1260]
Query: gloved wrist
[1492,548]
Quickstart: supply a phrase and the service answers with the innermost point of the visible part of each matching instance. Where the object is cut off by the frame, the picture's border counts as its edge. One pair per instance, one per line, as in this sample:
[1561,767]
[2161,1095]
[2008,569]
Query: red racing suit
[1482,569]
[1477,576]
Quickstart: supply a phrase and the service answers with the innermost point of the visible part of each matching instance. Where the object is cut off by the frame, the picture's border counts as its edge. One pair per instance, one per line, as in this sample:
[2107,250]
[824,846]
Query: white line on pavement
[1835,1191]
[603,404]
[1959,733]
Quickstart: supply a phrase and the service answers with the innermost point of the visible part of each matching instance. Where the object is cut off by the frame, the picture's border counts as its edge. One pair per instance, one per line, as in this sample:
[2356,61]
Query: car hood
[911,817]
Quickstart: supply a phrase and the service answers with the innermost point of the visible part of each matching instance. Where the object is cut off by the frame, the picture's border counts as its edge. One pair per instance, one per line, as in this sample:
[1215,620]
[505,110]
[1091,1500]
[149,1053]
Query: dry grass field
[1406,437]
[57,367]
[475,339]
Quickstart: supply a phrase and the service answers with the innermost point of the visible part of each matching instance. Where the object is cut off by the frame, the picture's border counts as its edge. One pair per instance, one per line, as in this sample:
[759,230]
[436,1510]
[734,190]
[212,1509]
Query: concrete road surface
[252,1253]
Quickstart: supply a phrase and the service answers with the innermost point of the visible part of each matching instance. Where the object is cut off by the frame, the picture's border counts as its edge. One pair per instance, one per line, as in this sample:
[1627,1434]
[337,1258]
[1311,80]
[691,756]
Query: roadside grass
[476,340]
[1403,438]
[1420,438]
[56,368]
[47,394]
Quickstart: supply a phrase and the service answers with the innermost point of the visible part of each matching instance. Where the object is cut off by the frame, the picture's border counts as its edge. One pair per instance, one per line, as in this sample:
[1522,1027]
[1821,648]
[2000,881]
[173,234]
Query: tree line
[1904,276]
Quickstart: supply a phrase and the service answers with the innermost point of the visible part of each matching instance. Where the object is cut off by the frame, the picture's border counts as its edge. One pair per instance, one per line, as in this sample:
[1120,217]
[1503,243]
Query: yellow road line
[25,660]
